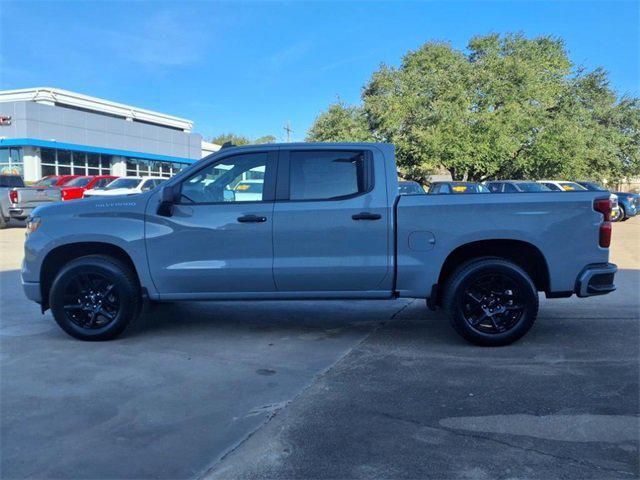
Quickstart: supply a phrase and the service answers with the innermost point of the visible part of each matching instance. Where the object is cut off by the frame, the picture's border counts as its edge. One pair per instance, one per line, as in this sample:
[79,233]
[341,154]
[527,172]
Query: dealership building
[49,131]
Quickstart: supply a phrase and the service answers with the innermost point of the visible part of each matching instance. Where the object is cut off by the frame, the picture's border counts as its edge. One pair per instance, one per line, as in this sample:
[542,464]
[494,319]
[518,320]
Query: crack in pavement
[282,405]
[500,442]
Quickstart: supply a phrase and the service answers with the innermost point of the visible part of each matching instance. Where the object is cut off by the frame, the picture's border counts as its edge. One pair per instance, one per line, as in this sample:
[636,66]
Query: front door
[331,222]
[219,236]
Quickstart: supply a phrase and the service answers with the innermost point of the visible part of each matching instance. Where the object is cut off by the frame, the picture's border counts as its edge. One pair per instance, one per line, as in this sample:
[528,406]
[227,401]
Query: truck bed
[562,226]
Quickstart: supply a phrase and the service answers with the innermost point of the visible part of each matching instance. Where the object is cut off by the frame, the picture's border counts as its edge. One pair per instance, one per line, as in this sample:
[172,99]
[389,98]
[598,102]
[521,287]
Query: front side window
[239,178]
[327,175]
[509,188]
[551,186]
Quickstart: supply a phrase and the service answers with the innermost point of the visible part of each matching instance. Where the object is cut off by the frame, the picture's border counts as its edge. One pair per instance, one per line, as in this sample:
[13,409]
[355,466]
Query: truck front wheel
[491,301]
[95,297]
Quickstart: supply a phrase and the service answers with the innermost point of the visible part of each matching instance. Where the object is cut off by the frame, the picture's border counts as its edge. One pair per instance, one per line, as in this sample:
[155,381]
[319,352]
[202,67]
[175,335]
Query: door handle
[252,219]
[366,216]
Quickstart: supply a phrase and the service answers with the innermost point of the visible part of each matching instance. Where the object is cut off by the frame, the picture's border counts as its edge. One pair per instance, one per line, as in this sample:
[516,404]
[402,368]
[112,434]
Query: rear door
[331,221]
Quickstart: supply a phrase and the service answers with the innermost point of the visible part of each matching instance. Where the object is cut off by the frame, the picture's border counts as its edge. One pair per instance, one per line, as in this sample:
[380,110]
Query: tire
[4,222]
[95,297]
[621,216]
[490,301]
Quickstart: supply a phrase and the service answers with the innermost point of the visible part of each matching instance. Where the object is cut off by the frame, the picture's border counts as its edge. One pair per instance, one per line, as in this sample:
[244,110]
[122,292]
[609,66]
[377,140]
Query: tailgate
[28,197]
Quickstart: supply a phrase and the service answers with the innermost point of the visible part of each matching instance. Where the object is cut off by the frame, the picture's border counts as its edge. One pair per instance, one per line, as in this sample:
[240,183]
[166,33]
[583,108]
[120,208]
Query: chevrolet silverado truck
[329,224]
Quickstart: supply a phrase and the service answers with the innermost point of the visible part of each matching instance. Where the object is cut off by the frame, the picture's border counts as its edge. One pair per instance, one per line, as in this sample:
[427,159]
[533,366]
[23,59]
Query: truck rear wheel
[95,297]
[491,301]
[4,222]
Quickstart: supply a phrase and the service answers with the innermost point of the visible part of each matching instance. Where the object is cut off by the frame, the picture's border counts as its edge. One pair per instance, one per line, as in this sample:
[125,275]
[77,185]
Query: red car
[75,188]
[54,181]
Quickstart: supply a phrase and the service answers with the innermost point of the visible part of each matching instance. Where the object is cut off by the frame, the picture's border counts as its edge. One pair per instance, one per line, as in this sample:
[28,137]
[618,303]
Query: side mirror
[168,197]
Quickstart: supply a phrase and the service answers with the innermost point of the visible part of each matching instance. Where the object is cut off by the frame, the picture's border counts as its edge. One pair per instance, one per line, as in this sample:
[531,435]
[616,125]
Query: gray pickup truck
[328,223]
[22,201]
[7,183]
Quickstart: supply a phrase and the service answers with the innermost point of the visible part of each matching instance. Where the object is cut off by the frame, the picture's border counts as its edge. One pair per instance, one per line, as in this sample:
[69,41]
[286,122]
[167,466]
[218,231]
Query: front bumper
[32,290]
[596,279]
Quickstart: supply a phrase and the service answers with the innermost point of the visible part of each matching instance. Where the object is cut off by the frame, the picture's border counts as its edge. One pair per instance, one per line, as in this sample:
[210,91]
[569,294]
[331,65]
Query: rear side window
[494,187]
[509,188]
[328,175]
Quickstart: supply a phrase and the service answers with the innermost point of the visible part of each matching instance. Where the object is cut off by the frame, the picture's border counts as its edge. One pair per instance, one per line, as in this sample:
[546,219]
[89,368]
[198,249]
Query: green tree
[340,123]
[508,107]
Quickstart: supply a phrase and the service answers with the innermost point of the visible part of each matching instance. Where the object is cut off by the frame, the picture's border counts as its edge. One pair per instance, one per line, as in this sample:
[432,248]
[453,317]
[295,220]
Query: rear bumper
[20,212]
[596,279]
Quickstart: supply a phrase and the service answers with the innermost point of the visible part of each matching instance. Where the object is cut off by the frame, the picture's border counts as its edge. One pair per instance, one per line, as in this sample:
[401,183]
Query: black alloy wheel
[95,297]
[91,300]
[490,301]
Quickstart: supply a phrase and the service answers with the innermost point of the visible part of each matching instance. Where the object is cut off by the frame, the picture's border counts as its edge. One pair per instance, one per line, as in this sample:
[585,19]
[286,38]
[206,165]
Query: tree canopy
[240,139]
[507,107]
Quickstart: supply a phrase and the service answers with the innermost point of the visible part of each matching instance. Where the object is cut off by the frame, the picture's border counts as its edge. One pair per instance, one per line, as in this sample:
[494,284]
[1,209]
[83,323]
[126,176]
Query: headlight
[33,223]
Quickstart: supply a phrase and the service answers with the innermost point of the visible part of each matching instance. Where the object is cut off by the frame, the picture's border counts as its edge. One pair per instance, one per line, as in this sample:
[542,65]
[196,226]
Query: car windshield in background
[79,182]
[10,181]
[571,186]
[410,188]
[247,187]
[468,188]
[123,183]
[594,187]
[532,187]
[46,182]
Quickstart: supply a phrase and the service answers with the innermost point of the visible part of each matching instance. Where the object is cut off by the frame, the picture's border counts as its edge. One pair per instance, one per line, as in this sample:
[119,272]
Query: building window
[66,162]
[11,161]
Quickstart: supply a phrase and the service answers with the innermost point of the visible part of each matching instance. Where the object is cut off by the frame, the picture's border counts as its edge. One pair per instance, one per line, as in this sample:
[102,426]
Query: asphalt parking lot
[322,390]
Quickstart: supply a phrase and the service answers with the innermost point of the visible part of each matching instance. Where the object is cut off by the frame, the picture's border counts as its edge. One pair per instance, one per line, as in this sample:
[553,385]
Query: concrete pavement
[322,390]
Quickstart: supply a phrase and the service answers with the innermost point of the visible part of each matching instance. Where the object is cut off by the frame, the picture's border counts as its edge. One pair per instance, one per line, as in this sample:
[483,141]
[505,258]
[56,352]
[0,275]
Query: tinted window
[224,181]
[494,187]
[551,186]
[509,188]
[325,175]
[46,182]
[11,181]
[532,187]
[79,182]
[102,182]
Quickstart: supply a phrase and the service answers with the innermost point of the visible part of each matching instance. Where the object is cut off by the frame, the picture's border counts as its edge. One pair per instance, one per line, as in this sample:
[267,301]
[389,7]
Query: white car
[564,186]
[126,186]
[561,185]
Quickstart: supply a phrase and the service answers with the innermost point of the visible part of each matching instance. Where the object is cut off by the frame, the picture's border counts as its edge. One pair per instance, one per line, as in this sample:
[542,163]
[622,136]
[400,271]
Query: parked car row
[624,204]
[18,200]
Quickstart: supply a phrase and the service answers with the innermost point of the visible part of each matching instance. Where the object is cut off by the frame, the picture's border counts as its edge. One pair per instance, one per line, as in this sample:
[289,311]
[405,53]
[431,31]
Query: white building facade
[48,131]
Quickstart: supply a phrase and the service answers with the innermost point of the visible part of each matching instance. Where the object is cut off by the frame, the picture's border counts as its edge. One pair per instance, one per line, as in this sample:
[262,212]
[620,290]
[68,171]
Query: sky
[250,67]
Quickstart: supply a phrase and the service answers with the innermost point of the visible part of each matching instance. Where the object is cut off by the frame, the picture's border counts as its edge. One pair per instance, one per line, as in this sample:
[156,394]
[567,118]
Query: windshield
[571,186]
[79,182]
[123,183]
[594,187]
[468,188]
[46,181]
[532,187]
[11,181]
[410,188]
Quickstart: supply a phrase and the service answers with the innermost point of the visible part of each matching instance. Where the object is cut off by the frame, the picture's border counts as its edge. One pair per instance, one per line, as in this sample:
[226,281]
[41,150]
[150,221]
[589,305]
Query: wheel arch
[61,255]
[524,254]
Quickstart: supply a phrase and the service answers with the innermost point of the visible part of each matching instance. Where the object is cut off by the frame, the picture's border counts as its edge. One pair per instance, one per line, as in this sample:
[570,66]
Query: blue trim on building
[34,142]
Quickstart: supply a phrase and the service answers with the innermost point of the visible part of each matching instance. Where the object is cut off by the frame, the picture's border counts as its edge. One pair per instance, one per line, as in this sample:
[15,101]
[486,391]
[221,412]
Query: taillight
[603,205]
[64,194]
[13,196]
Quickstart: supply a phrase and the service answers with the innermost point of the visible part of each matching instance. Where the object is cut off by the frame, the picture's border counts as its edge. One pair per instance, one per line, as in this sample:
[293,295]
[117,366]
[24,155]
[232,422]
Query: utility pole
[289,131]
